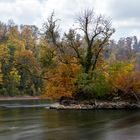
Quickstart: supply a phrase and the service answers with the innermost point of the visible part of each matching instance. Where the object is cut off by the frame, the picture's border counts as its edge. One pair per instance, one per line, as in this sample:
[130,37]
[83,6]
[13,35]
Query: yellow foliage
[15,40]
[120,76]
[128,82]
[124,78]
[3,51]
[1,76]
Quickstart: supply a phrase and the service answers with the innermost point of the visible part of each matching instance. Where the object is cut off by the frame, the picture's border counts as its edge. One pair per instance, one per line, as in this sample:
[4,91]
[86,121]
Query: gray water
[29,120]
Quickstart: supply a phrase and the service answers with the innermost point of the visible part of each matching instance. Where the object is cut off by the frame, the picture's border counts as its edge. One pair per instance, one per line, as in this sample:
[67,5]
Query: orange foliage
[128,83]
[61,81]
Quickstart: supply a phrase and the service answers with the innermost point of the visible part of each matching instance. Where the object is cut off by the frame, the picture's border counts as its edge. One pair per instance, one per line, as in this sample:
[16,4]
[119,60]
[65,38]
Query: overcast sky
[125,14]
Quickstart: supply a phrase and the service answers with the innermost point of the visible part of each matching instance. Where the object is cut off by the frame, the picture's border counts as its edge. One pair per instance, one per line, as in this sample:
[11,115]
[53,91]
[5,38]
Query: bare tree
[96,30]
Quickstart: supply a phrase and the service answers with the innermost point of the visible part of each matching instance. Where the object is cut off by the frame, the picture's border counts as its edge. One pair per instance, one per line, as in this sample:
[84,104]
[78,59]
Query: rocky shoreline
[95,105]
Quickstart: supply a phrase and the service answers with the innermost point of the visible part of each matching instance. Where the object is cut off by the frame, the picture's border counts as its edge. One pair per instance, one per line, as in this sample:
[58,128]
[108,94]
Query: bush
[84,87]
[128,85]
[3,92]
[60,82]
[125,81]
[95,86]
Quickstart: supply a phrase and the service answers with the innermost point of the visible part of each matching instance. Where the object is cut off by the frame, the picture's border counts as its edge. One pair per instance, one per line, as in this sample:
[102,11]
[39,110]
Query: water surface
[29,120]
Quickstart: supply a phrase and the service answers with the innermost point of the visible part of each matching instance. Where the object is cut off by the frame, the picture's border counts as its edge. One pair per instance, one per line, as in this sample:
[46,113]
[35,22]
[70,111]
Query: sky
[125,14]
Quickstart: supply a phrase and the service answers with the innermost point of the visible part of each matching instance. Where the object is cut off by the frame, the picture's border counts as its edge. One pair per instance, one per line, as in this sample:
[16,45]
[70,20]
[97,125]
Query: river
[30,120]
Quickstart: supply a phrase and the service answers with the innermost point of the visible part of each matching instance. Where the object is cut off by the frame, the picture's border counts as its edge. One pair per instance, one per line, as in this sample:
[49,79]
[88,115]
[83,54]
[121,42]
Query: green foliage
[102,87]
[13,84]
[95,86]
[47,57]
[84,87]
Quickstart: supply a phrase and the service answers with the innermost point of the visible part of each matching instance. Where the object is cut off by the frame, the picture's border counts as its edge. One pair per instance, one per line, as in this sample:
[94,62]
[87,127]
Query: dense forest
[83,63]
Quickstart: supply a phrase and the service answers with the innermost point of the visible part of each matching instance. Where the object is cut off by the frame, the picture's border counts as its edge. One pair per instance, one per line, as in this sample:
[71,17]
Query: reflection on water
[38,123]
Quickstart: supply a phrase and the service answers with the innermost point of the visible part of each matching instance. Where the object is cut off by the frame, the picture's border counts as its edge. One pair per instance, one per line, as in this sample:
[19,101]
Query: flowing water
[30,120]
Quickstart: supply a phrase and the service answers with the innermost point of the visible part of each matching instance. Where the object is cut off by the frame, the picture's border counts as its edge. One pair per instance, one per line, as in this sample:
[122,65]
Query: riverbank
[81,105]
[2,98]
[95,105]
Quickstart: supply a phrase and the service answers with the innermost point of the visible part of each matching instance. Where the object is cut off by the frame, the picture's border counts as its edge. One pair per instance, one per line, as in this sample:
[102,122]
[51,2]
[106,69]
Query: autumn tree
[86,48]
[82,50]
[29,33]
[29,70]
[19,64]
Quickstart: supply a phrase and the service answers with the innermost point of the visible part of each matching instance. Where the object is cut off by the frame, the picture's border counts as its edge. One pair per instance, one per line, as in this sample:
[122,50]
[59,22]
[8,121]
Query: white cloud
[21,11]
[66,10]
[124,13]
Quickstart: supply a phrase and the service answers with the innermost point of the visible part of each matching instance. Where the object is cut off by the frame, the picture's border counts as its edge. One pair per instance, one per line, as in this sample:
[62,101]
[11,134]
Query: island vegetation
[83,64]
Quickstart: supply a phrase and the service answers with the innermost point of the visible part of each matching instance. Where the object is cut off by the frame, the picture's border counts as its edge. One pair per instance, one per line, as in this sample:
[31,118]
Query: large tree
[84,48]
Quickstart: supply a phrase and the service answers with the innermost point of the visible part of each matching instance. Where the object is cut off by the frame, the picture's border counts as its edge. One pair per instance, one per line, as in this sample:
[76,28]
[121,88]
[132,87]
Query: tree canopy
[83,63]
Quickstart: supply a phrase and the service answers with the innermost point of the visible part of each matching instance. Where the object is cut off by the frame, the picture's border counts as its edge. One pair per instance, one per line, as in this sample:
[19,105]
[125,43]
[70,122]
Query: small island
[94,72]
